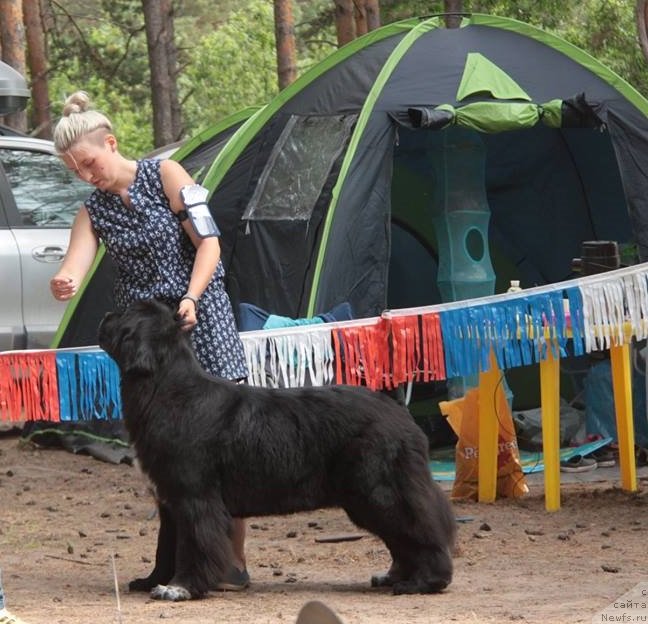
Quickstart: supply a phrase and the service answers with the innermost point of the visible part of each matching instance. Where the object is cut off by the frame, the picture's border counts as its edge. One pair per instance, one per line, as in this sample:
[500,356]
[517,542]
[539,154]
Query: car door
[11,323]
[45,198]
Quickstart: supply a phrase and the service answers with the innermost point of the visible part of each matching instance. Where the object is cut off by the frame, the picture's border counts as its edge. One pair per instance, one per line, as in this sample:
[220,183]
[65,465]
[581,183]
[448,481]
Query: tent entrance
[547,190]
[440,217]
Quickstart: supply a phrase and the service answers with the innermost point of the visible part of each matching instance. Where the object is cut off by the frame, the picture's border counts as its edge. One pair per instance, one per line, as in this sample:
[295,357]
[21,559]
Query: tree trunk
[12,42]
[172,61]
[360,17]
[642,24]
[285,41]
[453,6]
[37,60]
[162,53]
[373,14]
[344,21]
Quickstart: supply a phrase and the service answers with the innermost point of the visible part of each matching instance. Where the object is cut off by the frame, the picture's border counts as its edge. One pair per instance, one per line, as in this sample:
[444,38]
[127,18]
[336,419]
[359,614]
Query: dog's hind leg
[401,504]
[426,569]
[203,549]
[419,566]
[164,555]
[423,548]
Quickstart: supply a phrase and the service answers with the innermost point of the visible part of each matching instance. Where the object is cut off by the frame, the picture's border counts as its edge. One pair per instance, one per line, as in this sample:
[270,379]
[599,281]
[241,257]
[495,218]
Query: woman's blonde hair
[78,120]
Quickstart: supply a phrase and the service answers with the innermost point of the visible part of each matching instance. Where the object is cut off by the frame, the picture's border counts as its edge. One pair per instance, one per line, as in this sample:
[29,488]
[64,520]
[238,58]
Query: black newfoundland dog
[215,450]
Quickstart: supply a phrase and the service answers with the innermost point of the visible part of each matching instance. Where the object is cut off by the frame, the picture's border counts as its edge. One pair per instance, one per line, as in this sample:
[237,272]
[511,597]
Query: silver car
[39,198]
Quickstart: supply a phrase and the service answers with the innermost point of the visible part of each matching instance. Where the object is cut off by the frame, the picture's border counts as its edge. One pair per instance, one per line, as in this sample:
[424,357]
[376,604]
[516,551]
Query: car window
[47,194]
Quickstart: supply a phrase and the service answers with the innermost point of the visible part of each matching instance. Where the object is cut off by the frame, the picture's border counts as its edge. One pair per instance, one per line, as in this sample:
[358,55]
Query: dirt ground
[66,518]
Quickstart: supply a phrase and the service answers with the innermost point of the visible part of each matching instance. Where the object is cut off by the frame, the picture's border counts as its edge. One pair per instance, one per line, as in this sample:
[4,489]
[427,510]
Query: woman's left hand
[187,312]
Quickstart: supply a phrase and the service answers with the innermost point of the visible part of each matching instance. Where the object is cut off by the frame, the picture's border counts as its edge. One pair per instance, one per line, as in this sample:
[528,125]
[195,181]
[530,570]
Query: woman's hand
[78,258]
[187,312]
[63,287]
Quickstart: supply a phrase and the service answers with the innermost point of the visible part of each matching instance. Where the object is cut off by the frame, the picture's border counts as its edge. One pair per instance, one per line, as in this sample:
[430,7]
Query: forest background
[164,70]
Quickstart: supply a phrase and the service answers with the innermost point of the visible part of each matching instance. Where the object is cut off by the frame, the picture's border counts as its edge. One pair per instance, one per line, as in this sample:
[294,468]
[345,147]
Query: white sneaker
[577,463]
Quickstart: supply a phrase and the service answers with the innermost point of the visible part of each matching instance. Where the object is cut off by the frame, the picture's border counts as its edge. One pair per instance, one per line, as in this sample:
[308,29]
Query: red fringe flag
[374,352]
[433,358]
[28,386]
[362,355]
[345,373]
[406,352]
[396,350]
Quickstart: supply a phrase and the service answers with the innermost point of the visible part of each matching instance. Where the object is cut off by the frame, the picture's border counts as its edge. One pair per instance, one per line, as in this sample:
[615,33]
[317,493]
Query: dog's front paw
[389,579]
[413,586]
[170,592]
[382,580]
[142,584]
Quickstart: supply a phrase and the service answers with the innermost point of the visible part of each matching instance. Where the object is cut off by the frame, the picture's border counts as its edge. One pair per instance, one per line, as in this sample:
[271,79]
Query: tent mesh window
[298,167]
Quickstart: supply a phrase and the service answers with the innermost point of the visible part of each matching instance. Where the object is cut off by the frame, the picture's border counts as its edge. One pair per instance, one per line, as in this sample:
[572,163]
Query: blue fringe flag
[518,331]
[88,386]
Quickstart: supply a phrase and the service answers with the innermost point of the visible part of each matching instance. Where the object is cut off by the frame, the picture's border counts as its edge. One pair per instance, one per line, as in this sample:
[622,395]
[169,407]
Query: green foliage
[607,30]
[604,28]
[231,67]
[546,14]
[101,49]
[314,31]
[234,64]
[228,57]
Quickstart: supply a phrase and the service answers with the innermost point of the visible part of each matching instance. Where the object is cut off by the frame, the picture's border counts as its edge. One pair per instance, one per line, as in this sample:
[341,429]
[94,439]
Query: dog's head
[143,337]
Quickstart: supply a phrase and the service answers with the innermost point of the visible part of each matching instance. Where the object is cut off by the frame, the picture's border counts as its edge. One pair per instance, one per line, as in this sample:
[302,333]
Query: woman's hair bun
[78,102]
[79,120]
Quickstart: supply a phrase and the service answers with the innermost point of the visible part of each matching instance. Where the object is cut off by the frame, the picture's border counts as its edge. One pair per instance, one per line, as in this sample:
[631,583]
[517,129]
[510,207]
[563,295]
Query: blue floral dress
[154,259]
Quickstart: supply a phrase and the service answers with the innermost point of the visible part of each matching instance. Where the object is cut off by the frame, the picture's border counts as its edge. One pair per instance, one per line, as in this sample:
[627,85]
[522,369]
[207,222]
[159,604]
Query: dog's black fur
[216,450]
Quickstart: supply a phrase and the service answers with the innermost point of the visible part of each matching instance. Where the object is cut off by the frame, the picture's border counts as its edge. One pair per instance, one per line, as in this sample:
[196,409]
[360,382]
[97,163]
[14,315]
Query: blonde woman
[138,212]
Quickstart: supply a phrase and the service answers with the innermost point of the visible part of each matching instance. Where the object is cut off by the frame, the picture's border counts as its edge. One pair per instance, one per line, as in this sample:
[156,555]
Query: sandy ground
[66,518]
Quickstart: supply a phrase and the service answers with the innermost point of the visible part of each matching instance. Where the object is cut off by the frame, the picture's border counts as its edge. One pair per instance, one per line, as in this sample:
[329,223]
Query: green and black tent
[325,196]
[330,193]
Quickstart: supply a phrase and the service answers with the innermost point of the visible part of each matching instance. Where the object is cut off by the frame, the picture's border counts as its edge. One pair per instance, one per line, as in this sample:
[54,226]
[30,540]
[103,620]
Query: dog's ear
[137,356]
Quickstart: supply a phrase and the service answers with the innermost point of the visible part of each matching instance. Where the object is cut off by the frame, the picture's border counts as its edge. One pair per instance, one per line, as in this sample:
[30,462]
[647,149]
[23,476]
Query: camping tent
[198,153]
[326,194]
[83,314]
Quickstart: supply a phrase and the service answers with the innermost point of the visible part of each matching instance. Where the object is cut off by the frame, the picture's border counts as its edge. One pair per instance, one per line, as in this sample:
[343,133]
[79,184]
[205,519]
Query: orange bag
[463,416]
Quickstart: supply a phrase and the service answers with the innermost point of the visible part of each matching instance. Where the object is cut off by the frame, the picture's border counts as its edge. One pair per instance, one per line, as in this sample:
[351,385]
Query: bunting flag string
[614,311]
[460,343]
[634,288]
[375,355]
[347,351]
[637,293]
[576,322]
[417,344]
[255,357]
